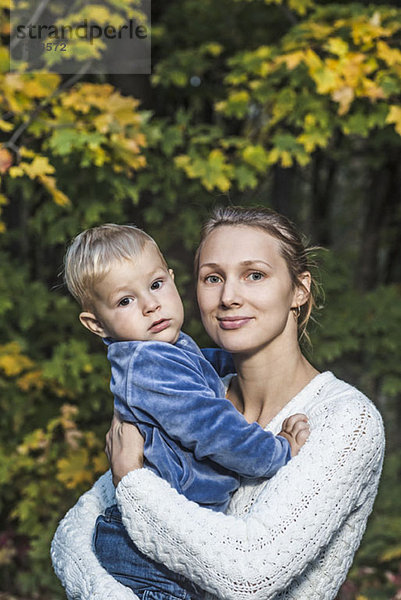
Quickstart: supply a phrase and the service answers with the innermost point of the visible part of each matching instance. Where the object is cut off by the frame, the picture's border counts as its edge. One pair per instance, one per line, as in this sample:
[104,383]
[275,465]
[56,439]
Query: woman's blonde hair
[91,254]
[294,249]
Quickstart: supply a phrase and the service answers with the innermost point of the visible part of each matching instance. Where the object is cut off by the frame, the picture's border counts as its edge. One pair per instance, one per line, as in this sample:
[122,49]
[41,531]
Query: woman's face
[244,290]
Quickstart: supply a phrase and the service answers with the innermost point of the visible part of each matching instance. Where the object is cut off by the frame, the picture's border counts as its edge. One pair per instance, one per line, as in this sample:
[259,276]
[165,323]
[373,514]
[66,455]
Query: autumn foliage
[303,115]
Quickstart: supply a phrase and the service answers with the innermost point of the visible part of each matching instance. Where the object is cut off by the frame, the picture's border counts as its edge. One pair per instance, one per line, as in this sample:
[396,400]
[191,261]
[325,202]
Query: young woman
[294,536]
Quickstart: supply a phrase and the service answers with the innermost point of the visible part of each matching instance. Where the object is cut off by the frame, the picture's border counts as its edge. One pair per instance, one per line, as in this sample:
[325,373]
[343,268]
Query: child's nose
[150,304]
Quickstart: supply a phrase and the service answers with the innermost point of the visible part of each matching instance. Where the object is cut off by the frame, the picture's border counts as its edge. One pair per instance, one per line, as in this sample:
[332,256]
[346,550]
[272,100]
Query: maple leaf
[394,116]
[6,160]
[344,96]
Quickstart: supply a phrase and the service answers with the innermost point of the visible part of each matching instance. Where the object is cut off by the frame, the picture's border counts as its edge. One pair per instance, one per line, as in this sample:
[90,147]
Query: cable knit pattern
[292,537]
[74,561]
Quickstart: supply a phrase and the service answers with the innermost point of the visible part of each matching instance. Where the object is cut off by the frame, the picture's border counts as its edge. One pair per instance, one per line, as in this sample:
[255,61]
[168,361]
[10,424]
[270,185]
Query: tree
[295,105]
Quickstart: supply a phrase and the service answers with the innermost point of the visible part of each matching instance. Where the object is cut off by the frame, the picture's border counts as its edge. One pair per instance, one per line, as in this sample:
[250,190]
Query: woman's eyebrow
[244,263]
[213,265]
[256,261]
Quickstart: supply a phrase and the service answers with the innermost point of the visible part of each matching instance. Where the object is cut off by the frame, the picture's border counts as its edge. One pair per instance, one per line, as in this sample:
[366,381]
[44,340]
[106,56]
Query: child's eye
[125,302]
[156,285]
[255,276]
[212,279]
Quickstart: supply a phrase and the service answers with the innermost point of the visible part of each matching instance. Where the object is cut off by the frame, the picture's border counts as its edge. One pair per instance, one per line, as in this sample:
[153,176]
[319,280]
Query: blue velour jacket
[194,437]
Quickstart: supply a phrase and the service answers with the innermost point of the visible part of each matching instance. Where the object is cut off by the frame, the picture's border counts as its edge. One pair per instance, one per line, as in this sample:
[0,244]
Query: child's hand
[296,430]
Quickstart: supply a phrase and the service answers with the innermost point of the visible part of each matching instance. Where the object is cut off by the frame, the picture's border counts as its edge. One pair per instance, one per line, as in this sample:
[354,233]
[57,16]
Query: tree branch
[39,10]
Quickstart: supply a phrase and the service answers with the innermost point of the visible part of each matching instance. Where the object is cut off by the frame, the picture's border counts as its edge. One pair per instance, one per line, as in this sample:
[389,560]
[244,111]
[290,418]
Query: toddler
[161,382]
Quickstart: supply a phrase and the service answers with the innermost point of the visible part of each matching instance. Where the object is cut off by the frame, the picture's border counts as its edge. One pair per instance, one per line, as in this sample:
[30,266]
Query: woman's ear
[302,291]
[90,321]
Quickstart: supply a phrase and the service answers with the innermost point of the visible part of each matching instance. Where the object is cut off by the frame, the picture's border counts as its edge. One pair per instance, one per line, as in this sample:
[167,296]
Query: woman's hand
[124,448]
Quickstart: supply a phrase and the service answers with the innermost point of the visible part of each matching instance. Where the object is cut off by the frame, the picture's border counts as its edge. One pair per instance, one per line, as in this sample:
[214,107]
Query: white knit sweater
[292,537]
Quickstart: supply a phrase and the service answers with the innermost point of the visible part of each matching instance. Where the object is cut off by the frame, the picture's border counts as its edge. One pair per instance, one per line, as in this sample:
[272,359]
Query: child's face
[137,300]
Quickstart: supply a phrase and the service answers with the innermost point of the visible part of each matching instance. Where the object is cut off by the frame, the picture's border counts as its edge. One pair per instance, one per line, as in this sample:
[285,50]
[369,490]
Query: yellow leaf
[39,166]
[100,14]
[394,116]
[41,86]
[372,90]
[31,380]
[6,125]
[123,109]
[73,470]
[10,365]
[366,32]
[4,59]
[58,196]
[391,56]
[16,172]
[312,60]
[337,46]
[286,159]
[312,140]
[36,440]
[214,48]
[27,152]
[292,59]
[318,31]
[88,95]
[282,156]
[344,96]
[182,161]
[12,362]
[301,6]
[352,69]
[14,82]
[326,80]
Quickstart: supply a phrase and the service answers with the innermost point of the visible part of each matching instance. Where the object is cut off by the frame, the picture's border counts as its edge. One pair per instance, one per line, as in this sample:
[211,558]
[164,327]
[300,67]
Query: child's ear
[171,273]
[90,321]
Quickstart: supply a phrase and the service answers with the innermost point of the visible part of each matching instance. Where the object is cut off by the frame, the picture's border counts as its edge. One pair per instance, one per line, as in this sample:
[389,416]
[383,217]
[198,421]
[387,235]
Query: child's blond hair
[91,254]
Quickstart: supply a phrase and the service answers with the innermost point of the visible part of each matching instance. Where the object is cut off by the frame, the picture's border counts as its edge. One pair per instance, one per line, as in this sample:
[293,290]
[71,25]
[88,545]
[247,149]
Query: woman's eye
[156,285]
[125,302]
[212,279]
[255,276]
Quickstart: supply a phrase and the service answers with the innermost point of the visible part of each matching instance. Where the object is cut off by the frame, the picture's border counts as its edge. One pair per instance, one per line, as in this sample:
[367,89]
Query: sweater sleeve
[73,558]
[168,390]
[295,516]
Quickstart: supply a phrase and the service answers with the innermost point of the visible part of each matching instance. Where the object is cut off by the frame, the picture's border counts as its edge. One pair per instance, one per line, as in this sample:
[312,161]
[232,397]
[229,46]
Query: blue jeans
[118,554]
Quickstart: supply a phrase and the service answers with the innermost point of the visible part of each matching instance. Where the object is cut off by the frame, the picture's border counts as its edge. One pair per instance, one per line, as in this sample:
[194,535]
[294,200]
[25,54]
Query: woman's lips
[160,325]
[233,322]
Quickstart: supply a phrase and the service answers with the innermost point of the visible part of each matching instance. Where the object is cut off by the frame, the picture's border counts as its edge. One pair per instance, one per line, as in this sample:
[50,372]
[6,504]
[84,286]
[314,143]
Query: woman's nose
[230,295]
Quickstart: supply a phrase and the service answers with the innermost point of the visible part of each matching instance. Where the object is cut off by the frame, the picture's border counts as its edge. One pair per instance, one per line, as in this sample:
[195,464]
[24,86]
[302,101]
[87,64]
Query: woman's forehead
[240,243]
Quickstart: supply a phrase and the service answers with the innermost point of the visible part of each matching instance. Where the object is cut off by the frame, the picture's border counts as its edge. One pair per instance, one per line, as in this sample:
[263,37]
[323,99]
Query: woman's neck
[266,383]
